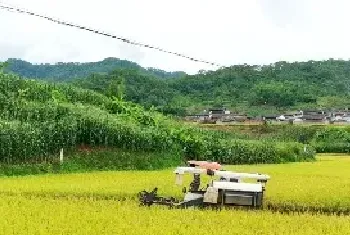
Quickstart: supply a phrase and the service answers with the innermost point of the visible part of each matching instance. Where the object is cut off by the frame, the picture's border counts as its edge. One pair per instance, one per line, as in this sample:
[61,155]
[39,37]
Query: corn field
[37,119]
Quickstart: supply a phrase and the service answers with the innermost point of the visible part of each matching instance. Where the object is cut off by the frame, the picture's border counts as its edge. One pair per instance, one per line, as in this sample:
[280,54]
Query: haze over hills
[247,88]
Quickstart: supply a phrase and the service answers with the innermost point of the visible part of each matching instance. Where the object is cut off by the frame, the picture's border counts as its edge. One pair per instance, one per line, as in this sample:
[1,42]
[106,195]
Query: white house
[337,118]
[281,118]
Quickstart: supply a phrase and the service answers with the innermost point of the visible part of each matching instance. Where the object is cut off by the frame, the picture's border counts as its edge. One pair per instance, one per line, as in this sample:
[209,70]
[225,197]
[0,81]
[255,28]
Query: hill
[38,118]
[273,87]
[67,71]
[254,89]
[138,88]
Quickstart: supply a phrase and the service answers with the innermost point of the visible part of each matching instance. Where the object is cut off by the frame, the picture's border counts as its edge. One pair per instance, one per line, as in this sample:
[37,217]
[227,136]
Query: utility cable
[125,40]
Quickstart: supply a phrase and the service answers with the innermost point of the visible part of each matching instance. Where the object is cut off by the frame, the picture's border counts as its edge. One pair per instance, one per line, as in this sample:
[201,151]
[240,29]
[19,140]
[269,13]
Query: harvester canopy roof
[206,164]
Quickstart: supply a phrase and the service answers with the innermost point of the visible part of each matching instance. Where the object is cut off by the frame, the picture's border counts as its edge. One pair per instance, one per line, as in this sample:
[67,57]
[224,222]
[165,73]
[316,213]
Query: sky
[226,32]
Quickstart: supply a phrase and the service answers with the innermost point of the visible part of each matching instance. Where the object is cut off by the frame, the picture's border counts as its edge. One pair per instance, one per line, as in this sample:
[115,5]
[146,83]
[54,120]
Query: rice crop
[86,216]
[324,183]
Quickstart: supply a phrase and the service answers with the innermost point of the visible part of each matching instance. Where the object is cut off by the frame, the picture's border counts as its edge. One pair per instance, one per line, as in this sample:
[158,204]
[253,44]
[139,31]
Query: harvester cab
[224,187]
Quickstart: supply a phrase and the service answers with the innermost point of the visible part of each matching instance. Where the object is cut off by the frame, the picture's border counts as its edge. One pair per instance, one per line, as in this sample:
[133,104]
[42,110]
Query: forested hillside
[256,90]
[67,71]
[253,89]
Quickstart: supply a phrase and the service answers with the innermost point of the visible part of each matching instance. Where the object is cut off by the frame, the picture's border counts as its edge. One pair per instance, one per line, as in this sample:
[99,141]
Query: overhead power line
[125,40]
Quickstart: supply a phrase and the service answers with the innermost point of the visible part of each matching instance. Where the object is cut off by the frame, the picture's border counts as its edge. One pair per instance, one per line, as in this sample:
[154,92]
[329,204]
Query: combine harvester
[226,188]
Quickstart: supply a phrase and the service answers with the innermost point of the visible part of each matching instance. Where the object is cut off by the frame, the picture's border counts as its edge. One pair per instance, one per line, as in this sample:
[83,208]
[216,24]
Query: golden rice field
[324,182]
[81,217]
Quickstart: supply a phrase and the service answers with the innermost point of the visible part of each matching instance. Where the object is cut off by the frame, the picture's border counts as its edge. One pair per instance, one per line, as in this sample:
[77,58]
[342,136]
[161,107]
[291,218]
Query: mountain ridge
[63,71]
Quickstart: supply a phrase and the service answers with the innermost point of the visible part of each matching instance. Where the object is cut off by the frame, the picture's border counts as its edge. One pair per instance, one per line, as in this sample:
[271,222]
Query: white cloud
[226,32]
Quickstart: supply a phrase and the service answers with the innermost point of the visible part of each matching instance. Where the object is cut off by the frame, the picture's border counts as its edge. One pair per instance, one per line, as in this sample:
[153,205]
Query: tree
[275,94]
[116,88]
[58,96]
[3,66]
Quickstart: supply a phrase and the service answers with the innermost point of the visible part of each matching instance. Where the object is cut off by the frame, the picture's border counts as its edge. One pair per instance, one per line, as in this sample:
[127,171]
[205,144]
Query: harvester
[225,188]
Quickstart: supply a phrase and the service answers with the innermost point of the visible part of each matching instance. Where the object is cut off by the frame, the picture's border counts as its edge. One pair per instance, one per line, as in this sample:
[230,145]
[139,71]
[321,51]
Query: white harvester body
[227,189]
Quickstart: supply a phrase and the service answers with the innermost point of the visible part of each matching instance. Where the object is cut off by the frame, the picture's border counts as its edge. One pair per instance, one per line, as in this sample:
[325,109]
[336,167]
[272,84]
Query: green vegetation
[120,110]
[101,159]
[325,139]
[253,89]
[38,118]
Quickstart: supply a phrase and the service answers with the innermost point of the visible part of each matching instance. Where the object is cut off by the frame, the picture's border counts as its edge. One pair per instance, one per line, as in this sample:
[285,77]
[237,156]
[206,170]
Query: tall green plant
[3,66]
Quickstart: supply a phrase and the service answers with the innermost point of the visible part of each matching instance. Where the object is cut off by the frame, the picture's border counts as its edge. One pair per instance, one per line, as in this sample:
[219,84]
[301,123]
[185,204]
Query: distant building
[314,118]
[221,115]
[218,111]
[240,118]
[281,118]
[212,115]
[314,112]
[270,117]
